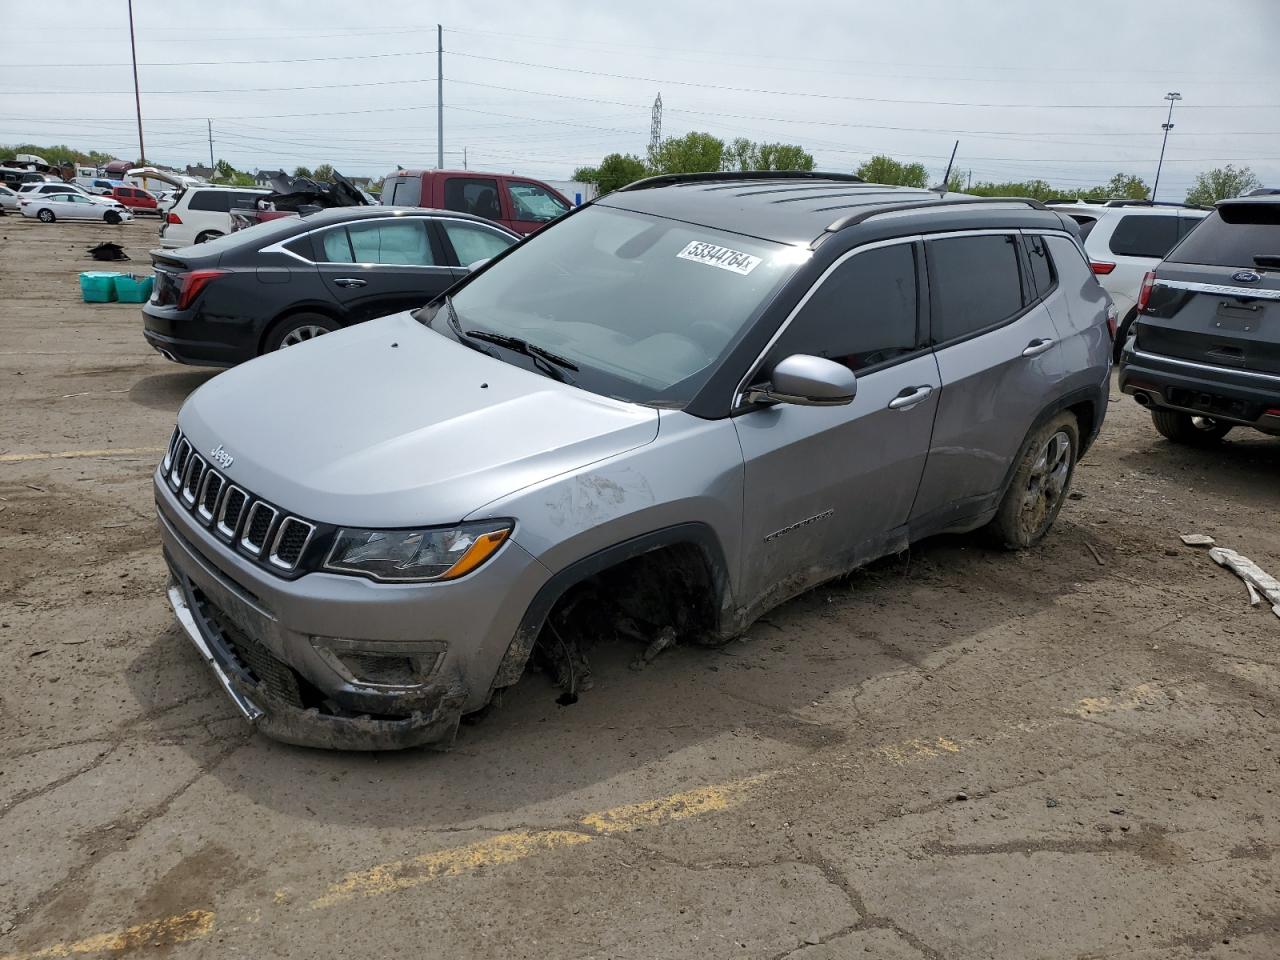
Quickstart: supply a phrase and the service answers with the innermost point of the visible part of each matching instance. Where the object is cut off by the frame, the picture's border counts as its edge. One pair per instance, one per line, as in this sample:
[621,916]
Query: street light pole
[1172,97]
[137,97]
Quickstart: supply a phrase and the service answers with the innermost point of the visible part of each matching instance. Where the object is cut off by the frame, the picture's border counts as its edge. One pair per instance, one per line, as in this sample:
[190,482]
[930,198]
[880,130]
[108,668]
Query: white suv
[1125,239]
[203,213]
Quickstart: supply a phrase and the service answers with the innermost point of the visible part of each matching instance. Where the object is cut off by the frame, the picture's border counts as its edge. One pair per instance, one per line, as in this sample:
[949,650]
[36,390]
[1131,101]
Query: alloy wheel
[1047,483]
[302,334]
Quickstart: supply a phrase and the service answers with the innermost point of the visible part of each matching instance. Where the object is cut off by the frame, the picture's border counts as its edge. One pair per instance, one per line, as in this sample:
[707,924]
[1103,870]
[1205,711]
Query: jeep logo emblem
[1246,276]
[220,456]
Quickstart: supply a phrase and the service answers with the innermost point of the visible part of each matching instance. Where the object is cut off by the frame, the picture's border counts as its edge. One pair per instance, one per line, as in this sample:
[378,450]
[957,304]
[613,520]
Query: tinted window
[863,314]
[472,242]
[1232,236]
[334,247]
[215,201]
[245,201]
[1144,236]
[1187,224]
[399,242]
[531,202]
[974,284]
[1041,265]
[474,195]
[1086,224]
[302,247]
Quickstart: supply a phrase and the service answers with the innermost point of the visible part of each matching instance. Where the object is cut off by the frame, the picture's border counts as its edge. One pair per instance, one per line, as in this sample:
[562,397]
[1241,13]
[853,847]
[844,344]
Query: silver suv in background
[667,412]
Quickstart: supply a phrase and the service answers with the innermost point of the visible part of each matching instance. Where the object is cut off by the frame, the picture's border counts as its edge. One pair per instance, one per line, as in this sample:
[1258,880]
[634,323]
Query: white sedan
[73,206]
[8,200]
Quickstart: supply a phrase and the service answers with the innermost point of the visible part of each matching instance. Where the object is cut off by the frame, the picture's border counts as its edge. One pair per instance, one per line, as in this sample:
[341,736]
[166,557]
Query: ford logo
[1246,276]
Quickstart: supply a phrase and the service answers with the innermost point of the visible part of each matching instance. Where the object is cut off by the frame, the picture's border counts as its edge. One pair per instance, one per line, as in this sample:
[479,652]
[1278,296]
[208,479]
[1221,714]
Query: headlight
[399,556]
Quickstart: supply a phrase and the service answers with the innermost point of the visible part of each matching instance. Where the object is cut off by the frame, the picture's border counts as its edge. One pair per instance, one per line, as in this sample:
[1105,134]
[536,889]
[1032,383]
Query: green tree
[224,172]
[1036,189]
[585,174]
[323,172]
[617,170]
[882,169]
[301,172]
[743,155]
[1128,187]
[693,153]
[1222,183]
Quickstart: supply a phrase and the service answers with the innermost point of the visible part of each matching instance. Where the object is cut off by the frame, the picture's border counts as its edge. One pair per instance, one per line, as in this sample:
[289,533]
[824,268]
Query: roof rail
[669,179]
[963,200]
[1156,203]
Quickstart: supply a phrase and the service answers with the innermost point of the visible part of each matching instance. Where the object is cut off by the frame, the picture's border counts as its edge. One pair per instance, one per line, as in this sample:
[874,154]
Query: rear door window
[477,196]
[388,242]
[212,201]
[1139,235]
[1232,236]
[974,284]
[865,314]
[472,241]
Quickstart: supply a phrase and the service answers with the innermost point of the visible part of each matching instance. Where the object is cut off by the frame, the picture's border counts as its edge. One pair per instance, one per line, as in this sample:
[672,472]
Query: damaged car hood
[390,424]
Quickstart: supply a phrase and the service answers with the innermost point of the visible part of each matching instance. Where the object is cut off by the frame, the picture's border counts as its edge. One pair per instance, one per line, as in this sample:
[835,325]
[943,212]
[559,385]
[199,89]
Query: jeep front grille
[258,529]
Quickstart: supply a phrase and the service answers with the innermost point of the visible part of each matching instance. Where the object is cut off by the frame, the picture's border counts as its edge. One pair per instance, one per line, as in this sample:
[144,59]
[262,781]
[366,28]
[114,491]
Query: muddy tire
[299,328]
[111,217]
[1040,483]
[207,236]
[46,216]
[1189,429]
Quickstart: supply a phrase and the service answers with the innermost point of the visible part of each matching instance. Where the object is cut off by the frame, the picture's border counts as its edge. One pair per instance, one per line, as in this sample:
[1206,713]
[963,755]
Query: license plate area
[1237,317]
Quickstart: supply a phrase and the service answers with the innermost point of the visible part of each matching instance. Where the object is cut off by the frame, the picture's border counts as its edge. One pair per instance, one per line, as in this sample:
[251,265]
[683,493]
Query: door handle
[910,396]
[350,282]
[1037,347]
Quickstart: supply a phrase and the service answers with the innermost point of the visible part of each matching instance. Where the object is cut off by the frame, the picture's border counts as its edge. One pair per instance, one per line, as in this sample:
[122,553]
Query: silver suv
[662,415]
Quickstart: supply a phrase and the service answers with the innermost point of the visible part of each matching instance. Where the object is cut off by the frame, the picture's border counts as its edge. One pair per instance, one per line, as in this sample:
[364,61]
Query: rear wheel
[112,217]
[1188,428]
[46,216]
[207,236]
[1039,485]
[298,329]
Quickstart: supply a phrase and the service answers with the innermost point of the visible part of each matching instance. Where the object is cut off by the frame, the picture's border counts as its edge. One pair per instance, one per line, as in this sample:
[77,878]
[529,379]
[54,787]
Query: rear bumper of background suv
[1243,397]
[269,640]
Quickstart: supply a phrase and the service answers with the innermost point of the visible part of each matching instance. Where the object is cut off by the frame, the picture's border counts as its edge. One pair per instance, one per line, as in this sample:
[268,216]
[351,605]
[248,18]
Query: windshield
[644,307]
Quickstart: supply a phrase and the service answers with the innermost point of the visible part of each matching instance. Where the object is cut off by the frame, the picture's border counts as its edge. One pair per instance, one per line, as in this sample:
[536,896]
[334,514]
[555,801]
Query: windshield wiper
[456,326]
[529,350]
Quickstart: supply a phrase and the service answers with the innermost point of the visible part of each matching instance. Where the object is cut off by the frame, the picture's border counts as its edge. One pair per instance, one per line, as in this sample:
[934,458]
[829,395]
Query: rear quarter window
[213,201]
[1232,236]
[402,192]
[1138,235]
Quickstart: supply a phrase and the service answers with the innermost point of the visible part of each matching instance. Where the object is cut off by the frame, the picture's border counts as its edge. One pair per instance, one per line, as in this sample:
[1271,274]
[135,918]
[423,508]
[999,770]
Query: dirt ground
[958,753]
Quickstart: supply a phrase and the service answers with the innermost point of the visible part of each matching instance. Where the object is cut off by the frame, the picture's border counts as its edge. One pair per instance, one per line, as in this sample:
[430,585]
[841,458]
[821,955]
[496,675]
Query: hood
[297,193]
[390,424]
[152,173]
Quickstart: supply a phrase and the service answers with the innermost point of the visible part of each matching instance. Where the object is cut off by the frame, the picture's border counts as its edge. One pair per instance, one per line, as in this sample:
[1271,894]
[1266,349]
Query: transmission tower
[655,128]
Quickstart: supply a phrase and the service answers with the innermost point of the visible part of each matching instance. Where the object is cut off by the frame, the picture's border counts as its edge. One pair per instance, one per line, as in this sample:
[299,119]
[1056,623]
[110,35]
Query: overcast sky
[1067,92]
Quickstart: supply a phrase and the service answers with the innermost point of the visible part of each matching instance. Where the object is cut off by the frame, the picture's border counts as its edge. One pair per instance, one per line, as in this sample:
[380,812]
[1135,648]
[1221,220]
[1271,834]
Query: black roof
[800,207]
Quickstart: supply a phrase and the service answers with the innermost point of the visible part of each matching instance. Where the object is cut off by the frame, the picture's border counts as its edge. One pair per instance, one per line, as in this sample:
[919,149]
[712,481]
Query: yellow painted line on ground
[80,454]
[183,928]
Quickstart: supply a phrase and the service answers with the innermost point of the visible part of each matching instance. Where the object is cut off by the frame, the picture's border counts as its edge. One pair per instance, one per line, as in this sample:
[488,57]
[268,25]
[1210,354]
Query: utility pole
[464,159]
[439,96]
[1173,96]
[946,177]
[210,123]
[137,97]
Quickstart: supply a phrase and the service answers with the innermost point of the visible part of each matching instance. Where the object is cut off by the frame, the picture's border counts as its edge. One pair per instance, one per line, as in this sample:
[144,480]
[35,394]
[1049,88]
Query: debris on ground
[1198,540]
[1256,580]
[108,251]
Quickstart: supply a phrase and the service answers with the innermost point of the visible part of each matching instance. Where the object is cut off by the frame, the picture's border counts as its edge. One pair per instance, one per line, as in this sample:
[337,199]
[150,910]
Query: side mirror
[475,265]
[807,381]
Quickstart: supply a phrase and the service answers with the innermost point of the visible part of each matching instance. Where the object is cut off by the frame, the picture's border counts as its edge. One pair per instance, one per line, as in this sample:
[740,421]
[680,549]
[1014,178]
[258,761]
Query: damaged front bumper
[206,624]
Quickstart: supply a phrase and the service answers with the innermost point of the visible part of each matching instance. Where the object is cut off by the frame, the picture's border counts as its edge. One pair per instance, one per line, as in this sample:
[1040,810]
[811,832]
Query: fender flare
[698,534]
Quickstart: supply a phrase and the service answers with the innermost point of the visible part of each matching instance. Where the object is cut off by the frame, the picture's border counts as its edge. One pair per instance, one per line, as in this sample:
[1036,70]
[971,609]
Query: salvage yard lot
[960,752]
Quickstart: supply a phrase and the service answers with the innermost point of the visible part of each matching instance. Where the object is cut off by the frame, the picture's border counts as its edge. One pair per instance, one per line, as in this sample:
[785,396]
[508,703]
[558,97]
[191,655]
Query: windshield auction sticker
[721,257]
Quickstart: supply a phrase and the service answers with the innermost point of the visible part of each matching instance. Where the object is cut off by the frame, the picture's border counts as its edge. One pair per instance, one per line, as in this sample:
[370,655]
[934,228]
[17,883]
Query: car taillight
[1102,267]
[173,218]
[190,285]
[1144,294]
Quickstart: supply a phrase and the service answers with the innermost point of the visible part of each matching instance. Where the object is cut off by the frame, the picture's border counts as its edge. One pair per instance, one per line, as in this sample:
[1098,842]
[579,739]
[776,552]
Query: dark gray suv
[665,413]
[1205,356]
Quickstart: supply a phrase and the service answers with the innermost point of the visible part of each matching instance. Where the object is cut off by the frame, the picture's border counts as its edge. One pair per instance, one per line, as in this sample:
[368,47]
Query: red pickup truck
[518,203]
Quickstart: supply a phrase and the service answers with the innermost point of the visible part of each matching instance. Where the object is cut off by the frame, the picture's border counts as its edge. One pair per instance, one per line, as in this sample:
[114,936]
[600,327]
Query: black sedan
[291,279]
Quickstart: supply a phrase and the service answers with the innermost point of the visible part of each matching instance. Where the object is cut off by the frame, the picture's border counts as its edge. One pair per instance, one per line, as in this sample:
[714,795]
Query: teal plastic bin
[98,287]
[133,288]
